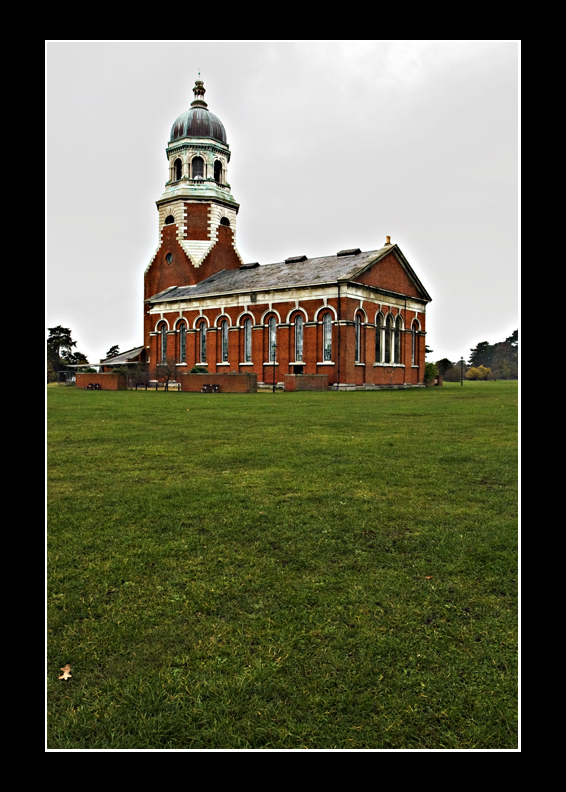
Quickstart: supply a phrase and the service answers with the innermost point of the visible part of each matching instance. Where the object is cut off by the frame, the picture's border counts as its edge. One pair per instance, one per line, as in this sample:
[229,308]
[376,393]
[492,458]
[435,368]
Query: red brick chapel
[358,317]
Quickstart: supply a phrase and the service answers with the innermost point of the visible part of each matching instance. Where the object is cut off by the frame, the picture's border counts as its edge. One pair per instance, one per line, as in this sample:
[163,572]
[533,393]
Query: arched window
[182,343]
[398,328]
[178,169]
[388,339]
[414,345]
[247,340]
[218,171]
[299,337]
[169,220]
[224,340]
[198,168]
[162,342]
[327,337]
[358,338]
[272,339]
[224,221]
[202,341]
[379,330]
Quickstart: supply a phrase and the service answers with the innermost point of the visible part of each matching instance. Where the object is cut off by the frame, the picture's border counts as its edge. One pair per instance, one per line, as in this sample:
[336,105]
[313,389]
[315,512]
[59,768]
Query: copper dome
[198,121]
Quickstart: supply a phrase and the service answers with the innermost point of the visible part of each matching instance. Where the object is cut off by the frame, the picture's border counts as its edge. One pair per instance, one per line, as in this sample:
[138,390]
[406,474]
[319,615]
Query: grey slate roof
[292,273]
[122,358]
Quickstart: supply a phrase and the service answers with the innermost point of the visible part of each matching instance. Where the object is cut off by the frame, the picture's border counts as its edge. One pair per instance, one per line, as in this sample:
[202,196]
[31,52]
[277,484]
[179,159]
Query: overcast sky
[334,145]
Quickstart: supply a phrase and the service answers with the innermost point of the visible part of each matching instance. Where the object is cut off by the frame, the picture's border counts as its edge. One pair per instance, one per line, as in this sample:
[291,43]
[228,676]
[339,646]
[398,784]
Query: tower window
[218,171]
[224,221]
[224,327]
[388,339]
[415,343]
[299,338]
[169,258]
[397,338]
[327,337]
[272,339]
[163,343]
[202,333]
[178,169]
[379,331]
[183,343]
[169,220]
[247,341]
[358,338]
[198,168]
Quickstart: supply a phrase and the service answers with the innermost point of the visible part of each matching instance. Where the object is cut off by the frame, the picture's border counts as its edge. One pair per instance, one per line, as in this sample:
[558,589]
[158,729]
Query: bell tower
[197,211]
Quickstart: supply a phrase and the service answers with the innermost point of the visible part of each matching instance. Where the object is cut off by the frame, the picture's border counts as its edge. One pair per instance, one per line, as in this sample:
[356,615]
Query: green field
[288,570]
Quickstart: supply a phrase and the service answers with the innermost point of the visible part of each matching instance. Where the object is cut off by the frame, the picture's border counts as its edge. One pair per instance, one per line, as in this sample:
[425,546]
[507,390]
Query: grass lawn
[288,570]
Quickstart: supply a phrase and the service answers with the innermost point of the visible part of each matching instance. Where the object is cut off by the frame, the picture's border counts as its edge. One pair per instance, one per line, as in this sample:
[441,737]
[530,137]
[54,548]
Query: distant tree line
[486,361]
[60,353]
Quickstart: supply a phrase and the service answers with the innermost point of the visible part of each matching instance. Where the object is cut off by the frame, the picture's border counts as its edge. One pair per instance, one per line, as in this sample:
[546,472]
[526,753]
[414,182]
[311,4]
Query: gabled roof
[296,271]
[124,357]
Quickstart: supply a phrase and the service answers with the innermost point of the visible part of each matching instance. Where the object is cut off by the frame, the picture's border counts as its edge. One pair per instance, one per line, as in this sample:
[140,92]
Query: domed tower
[197,211]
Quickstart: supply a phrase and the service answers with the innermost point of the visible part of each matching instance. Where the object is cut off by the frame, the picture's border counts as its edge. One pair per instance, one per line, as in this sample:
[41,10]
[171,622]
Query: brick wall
[306,382]
[229,383]
[106,381]
[365,372]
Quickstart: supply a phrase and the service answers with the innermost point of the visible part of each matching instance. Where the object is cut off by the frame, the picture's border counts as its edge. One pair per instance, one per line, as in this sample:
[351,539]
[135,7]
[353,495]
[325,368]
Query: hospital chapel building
[358,317]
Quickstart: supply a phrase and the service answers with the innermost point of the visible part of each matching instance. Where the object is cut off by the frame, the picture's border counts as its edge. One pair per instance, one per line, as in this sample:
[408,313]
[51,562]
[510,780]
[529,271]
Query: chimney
[387,240]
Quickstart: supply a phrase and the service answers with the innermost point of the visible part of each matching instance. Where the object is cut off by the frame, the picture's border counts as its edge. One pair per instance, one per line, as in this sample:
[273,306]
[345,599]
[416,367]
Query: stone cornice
[190,198]
[186,146]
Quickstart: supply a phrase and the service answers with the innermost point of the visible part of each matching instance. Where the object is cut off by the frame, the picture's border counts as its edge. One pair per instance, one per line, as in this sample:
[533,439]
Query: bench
[210,389]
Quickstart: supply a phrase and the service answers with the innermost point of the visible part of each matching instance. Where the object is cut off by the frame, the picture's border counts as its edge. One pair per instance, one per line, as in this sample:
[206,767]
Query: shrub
[478,373]
[431,371]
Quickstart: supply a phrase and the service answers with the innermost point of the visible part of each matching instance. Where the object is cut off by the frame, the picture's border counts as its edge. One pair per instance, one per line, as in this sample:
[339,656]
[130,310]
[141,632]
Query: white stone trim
[297,308]
[196,250]
[198,319]
[324,308]
[159,320]
[177,322]
[271,310]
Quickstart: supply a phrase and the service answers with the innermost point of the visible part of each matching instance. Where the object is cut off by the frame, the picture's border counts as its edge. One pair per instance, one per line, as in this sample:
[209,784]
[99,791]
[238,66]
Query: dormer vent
[349,252]
[293,259]
[249,266]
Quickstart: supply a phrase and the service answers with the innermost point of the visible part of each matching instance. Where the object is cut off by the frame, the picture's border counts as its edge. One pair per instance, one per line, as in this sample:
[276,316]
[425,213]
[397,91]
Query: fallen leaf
[428,577]
[66,672]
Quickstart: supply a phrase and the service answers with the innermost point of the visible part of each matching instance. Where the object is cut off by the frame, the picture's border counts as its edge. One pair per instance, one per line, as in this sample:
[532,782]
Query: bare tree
[167,371]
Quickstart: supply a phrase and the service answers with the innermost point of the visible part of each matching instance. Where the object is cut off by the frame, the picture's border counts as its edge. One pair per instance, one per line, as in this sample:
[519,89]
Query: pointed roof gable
[391,271]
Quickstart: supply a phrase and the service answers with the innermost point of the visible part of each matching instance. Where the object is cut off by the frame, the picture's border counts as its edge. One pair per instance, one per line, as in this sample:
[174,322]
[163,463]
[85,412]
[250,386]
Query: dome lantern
[199,91]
